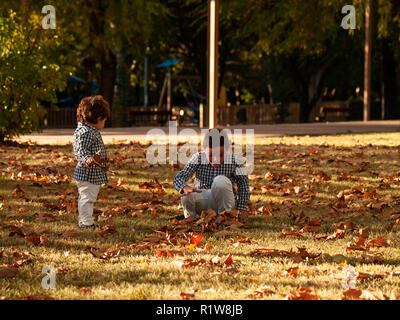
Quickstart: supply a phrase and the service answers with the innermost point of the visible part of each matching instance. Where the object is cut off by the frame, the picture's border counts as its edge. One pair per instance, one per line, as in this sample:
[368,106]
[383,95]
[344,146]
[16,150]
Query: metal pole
[367,60]
[169,91]
[212,94]
[145,95]
[201,121]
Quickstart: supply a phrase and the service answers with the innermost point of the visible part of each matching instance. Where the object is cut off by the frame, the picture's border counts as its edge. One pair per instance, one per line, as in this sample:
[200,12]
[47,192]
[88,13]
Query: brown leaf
[356,294]
[378,242]
[104,254]
[284,234]
[23,257]
[270,253]
[240,239]
[36,239]
[38,297]
[8,272]
[106,230]
[62,269]
[260,292]
[302,254]
[291,271]
[85,291]
[369,275]
[302,294]
[189,263]
[168,253]
[371,257]
[68,234]
[223,233]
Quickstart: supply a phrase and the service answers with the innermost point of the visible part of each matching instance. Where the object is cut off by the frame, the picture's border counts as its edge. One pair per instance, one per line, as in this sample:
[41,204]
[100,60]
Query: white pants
[219,198]
[87,197]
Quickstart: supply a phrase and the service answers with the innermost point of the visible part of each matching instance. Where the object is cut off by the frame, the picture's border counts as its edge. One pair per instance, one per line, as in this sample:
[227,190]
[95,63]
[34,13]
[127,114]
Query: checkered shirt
[231,168]
[87,141]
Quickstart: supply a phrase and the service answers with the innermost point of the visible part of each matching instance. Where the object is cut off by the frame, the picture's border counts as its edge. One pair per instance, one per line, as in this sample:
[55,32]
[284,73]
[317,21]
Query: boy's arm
[186,173]
[84,141]
[242,181]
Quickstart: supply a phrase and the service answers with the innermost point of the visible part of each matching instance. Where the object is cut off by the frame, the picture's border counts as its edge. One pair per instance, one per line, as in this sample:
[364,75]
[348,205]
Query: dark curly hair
[216,137]
[90,109]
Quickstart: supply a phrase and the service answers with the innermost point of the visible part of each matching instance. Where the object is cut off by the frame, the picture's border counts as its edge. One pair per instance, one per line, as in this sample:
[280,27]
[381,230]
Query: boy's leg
[194,203]
[223,198]
[87,197]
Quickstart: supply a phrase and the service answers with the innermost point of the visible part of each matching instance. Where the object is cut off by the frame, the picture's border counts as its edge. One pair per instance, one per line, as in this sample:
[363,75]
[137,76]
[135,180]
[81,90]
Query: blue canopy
[74,79]
[168,63]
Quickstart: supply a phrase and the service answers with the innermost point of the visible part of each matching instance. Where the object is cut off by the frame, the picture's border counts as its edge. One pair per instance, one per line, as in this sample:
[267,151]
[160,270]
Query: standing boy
[90,152]
[217,172]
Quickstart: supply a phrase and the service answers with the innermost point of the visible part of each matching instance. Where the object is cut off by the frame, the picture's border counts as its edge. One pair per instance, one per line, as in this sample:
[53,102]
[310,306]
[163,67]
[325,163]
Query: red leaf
[228,260]
[196,240]
[187,296]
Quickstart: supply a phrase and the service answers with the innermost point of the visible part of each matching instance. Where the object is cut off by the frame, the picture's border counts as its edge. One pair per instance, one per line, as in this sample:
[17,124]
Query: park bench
[136,116]
[340,112]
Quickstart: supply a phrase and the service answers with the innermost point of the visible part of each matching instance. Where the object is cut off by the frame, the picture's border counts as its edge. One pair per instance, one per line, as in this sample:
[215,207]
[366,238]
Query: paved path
[64,136]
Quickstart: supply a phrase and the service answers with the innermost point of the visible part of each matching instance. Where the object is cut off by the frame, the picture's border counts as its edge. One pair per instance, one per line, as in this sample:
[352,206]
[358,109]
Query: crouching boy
[217,173]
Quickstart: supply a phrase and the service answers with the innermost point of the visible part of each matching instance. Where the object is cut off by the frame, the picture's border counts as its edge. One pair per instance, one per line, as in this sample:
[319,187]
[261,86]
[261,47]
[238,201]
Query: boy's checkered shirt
[87,141]
[205,174]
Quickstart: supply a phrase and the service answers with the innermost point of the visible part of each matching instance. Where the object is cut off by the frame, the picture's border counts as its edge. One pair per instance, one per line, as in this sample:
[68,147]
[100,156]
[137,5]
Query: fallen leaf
[222,233]
[85,291]
[196,240]
[8,272]
[356,294]
[228,260]
[369,276]
[302,294]
[291,271]
[188,296]
[68,234]
[378,242]
[107,230]
[38,297]
[261,291]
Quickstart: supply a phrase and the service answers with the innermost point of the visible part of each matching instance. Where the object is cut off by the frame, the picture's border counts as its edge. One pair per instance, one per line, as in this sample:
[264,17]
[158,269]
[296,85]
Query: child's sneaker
[84,226]
[178,218]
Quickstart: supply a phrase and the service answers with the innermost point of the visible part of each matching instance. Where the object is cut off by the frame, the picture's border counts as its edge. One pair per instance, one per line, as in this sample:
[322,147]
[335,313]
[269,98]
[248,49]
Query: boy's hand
[99,159]
[188,190]
[92,162]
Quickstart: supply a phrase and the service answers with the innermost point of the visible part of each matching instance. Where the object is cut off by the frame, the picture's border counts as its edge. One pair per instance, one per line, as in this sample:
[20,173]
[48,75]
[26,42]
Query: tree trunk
[388,83]
[101,47]
[367,60]
[304,110]
[108,75]
[309,90]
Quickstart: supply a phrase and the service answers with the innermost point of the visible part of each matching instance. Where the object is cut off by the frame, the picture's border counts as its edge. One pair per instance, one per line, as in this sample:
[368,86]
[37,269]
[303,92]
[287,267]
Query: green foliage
[27,76]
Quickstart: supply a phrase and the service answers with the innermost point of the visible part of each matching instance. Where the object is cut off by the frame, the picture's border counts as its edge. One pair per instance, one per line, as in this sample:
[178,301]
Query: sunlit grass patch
[331,179]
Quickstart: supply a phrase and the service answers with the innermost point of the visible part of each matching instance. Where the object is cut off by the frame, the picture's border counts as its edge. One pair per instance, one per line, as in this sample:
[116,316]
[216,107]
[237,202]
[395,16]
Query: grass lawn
[336,196]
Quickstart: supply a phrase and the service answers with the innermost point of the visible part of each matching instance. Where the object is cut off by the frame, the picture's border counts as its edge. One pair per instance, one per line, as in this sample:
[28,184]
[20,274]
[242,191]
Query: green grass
[140,274]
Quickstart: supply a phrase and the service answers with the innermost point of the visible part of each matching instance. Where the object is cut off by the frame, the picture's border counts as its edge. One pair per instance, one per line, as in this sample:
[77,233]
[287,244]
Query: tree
[28,76]
[387,14]
[307,35]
